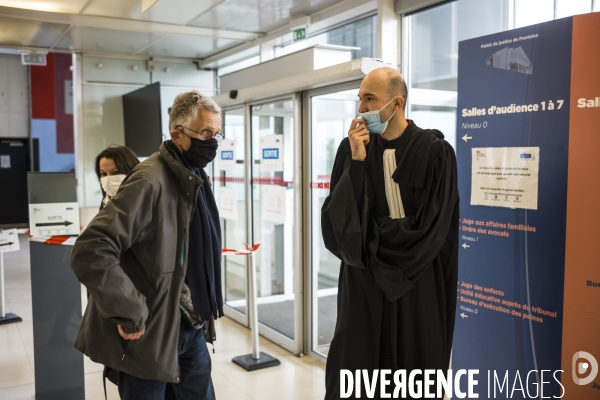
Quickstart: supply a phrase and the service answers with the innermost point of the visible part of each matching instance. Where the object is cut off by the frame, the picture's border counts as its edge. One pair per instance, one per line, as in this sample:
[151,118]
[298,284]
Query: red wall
[48,97]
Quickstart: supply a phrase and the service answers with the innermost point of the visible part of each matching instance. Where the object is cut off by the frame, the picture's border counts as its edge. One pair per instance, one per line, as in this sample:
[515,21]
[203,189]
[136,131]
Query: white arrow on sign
[465,246]
[463,315]
[465,138]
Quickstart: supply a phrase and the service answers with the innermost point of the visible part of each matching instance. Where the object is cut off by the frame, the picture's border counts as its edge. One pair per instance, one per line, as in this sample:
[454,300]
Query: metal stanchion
[5,318]
[257,360]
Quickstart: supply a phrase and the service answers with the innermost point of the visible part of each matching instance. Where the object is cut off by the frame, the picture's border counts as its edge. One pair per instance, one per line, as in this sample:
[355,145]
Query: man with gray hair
[151,261]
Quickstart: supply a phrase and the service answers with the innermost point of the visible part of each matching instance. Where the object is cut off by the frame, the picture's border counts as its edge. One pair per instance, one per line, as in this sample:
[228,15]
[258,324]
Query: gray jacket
[132,258]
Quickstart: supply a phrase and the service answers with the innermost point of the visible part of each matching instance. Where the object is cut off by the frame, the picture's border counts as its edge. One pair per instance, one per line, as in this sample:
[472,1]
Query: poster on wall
[273,204]
[228,203]
[5,162]
[505,177]
[227,160]
[513,106]
[271,151]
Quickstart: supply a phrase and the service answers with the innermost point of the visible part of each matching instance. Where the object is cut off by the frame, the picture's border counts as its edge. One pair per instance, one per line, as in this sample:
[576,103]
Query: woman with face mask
[112,165]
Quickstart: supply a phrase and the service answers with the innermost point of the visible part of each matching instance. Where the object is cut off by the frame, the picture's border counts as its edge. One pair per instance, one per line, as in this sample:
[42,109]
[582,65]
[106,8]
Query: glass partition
[272,131]
[331,114]
[228,173]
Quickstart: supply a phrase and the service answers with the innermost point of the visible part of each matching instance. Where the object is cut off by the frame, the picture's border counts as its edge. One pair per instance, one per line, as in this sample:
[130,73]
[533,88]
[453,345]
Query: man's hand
[130,336]
[359,138]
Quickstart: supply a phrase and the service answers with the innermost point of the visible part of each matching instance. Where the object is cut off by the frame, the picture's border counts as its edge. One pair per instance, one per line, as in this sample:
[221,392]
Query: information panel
[513,117]
[528,312]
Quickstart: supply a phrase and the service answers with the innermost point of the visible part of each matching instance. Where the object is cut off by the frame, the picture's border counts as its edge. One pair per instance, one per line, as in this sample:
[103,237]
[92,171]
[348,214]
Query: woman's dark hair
[124,159]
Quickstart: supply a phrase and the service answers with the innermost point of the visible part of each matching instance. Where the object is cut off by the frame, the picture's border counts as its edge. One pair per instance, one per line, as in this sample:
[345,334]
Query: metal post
[253,308]
[5,318]
[257,360]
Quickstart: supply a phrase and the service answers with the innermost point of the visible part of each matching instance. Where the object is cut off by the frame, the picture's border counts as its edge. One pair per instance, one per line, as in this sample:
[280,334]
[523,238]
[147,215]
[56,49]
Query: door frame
[293,345]
[304,317]
[310,337]
[229,311]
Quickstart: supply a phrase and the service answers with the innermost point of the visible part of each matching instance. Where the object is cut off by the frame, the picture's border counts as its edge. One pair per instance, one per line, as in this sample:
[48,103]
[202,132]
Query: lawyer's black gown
[398,278]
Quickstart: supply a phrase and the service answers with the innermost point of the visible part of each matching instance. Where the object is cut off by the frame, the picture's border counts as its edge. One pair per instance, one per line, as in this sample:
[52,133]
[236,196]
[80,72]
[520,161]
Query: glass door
[230,193]
[329,112]
[275,196]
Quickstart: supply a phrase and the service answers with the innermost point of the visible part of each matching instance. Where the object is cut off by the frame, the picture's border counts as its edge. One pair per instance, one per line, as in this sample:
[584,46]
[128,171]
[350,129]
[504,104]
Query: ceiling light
[32,51]
[303,22]
[48,6]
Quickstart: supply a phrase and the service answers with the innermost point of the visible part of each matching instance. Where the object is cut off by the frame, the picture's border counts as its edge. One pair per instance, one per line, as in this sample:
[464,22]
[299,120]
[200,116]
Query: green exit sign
[300,34]
[33,59]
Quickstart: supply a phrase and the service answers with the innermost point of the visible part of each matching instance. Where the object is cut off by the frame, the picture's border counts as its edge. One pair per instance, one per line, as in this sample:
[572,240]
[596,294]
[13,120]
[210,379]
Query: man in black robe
[392,218]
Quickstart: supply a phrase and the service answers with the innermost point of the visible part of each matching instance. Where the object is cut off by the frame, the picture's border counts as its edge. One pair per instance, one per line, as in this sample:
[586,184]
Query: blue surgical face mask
[373,120]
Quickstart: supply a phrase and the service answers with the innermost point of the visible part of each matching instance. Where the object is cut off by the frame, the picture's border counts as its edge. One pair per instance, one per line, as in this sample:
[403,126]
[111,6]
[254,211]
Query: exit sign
[33,59]
[299,34]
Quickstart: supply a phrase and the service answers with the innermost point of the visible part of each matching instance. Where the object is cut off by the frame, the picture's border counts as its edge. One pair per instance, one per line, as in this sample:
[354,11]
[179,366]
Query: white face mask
[110,184]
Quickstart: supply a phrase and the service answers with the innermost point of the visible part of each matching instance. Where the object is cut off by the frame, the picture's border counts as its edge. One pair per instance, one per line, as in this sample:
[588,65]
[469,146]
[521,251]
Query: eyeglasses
[204,135]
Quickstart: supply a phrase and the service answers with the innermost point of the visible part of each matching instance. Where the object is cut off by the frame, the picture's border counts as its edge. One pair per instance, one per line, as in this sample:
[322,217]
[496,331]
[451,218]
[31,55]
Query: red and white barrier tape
[249,250]
[229,179]
[320,185]
[272,181]
[60,240]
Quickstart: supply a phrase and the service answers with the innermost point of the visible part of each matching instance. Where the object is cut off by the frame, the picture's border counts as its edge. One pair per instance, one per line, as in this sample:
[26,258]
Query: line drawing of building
[511,60]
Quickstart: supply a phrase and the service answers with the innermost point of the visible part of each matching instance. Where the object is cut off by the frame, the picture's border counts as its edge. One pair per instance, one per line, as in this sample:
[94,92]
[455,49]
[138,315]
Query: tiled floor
[295,378]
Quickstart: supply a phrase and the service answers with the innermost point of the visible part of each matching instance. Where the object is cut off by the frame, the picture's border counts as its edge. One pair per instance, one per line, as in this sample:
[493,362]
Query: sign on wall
[9,240]
[299,34]
[505,177]
[271,151]
[274,204]
[227,160]
[33,59]
[49,219]
[228,204]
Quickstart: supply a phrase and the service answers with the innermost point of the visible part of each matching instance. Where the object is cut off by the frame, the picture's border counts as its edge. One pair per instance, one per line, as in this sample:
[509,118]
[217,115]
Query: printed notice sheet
[227,160]
[9,240]
[273,204]
[228,204]
[505,177]
[48,219]
[271,149]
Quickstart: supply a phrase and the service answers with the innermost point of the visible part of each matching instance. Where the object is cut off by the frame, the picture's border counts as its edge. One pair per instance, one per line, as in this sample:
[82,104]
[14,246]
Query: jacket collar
[188,182]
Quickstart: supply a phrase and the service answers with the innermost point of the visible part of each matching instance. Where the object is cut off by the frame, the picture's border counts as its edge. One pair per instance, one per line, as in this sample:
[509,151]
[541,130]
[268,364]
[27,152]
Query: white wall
[14,98]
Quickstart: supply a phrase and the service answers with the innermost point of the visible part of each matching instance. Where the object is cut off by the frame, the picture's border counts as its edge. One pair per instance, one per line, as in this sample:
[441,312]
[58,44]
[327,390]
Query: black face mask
[201,152]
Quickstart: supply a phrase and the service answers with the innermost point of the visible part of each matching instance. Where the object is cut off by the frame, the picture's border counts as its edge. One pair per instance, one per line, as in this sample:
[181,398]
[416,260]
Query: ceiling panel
[147,44]
[14,32]
[258,15]
[61,6]
[188,47]
[106,40]
[233,15]
[178,12]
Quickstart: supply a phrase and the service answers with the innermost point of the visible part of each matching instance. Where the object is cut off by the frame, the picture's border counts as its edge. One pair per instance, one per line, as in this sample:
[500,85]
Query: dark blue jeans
[194,366]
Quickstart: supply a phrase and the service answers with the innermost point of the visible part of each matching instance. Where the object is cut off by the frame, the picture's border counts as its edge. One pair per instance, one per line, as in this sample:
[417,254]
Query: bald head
[389,80]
